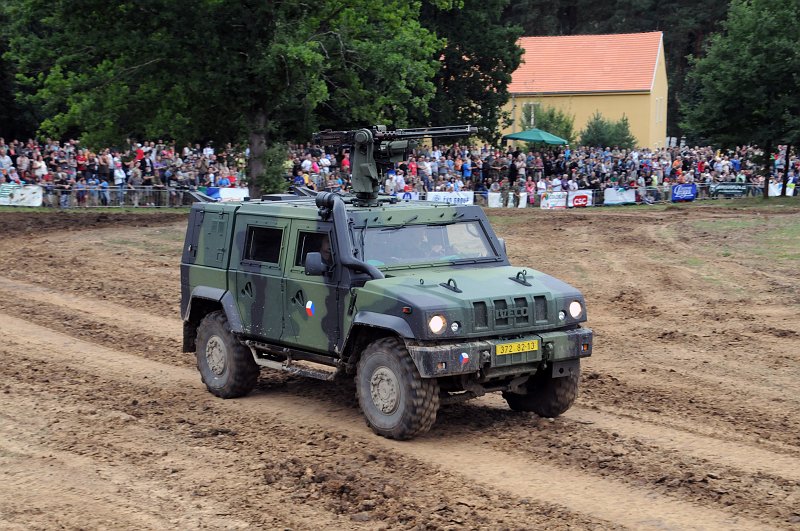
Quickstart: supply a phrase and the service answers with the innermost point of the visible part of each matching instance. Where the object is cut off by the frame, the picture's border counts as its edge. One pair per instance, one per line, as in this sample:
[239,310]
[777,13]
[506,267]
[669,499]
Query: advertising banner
[775,189]
[684,192]
[455,198]
[728,189]
[408,196]
[553,200]
[233,194]
[580,199]
[495,200]
[618,196]
[12,194]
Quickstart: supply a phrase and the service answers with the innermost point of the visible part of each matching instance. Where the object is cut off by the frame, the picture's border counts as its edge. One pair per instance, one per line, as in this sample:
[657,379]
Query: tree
[478,56]
[15,120]
[597,131]
[621,134]
[550,119]
[600,131]
[745,88]
[251,70]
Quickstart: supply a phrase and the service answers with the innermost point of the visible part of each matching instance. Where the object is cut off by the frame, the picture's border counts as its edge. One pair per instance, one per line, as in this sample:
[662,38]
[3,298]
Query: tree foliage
[479,54]
[177,67]
[745,89]
[550,119]
[254,70]
[600,131]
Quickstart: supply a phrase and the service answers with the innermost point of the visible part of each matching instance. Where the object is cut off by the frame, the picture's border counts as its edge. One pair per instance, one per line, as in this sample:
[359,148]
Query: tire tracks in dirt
[160,330]
[518,476]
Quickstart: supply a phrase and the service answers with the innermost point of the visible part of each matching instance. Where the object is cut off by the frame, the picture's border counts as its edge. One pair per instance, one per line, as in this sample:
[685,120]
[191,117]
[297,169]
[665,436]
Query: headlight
[437,324]
[575,309]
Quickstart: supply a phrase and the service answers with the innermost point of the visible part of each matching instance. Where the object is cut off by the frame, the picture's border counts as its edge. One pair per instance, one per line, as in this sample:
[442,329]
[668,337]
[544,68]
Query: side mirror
[503,245]
[314,265]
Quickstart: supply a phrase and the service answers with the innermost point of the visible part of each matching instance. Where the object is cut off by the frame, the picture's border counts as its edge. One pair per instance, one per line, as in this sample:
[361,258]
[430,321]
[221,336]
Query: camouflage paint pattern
[277,303]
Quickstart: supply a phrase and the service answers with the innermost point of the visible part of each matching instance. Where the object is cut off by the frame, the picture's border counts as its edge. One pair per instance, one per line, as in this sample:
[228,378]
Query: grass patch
[759,241]
[726,225]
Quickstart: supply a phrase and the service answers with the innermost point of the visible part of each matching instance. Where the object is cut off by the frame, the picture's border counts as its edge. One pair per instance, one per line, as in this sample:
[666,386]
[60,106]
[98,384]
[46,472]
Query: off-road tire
[405,404]
[547,397]
[226,366]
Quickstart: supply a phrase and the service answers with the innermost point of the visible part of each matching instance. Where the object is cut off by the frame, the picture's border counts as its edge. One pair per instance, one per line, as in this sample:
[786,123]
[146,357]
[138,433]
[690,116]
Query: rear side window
[263,244]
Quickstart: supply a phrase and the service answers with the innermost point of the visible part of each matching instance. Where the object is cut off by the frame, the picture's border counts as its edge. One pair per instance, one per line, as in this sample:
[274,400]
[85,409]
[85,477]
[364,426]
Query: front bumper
[434,360]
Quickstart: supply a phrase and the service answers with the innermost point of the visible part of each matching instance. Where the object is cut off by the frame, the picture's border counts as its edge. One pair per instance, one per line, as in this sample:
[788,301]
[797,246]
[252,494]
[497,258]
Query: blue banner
[213,192]
[684,192]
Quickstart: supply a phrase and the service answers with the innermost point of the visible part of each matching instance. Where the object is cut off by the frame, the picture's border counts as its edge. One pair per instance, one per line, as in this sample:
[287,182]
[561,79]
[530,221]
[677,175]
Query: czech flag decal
[464,358]
[310,308]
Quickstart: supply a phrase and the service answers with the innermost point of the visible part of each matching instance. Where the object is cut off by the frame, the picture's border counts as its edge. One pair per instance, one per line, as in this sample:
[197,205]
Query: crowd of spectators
[515,172]
[144,173]
[153,173]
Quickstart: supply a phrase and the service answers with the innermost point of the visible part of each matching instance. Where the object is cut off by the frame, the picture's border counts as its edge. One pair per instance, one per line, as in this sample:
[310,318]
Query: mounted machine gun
[374,150]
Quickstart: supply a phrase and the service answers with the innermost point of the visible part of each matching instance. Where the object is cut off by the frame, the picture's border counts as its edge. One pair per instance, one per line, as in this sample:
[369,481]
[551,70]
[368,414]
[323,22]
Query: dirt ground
[687,416]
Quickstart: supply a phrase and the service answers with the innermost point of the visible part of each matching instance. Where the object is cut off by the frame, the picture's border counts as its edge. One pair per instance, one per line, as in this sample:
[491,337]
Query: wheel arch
[203,301]
[361,335]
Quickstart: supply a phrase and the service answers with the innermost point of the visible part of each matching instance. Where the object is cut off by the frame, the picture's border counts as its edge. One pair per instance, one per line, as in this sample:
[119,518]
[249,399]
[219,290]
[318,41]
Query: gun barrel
[379,133]
[421,132]
[333,138]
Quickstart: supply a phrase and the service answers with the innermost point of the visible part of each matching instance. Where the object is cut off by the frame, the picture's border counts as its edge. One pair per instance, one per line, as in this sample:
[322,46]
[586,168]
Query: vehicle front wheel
[396,401]
[226,366]
[547,396]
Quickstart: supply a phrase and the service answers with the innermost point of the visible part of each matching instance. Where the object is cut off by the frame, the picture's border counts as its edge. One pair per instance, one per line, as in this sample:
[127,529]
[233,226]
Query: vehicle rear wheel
[396,401]
[547,396]
[226,366]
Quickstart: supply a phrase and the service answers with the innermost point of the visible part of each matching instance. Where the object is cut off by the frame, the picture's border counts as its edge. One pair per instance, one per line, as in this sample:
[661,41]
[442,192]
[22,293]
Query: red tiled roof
[587,63]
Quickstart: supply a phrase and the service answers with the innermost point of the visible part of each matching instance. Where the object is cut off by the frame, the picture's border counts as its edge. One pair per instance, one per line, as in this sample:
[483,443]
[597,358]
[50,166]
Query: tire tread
[424,394]
[243,370]
[547,397]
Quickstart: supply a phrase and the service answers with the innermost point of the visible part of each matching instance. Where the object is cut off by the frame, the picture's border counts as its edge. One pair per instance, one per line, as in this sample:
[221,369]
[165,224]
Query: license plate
[516,347]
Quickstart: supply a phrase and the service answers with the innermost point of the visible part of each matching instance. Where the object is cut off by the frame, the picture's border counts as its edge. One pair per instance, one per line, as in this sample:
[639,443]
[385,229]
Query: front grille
[540,308]
[481,315]
[511,314]
[501,317]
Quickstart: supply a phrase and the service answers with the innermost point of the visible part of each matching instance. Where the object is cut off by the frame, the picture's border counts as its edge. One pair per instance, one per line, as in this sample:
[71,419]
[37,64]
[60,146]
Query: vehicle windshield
[427,244]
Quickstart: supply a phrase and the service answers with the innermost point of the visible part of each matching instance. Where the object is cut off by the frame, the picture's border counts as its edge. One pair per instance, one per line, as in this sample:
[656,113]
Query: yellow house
[583,74]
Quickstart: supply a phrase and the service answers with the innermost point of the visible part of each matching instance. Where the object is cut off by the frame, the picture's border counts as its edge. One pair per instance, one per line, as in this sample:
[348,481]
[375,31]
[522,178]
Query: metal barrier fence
[112,196]
[161,196]
[605,197]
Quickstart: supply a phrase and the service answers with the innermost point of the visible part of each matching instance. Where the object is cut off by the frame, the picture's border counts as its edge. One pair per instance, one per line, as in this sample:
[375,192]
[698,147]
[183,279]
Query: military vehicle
[415,299]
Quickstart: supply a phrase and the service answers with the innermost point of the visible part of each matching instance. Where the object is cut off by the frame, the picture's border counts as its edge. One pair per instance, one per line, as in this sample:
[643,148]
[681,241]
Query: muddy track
[684,425]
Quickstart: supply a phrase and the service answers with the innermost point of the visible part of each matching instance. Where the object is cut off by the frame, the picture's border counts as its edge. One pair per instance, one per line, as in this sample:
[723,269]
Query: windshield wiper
[403,224]
[441,224]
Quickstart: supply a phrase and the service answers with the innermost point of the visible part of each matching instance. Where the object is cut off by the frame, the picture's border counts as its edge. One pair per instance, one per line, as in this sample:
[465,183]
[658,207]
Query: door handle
[299,298]
[247,289]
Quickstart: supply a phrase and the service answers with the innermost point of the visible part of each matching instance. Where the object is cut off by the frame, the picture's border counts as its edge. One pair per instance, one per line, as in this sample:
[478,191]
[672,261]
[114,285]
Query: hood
[482,300]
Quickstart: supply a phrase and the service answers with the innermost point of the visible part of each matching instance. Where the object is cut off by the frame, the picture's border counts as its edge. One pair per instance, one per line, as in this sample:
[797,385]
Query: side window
[310,242]
[263,244]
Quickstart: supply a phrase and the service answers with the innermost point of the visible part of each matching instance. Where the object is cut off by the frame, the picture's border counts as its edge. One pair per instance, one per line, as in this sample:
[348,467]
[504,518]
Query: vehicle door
[260,246]
[312,303]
